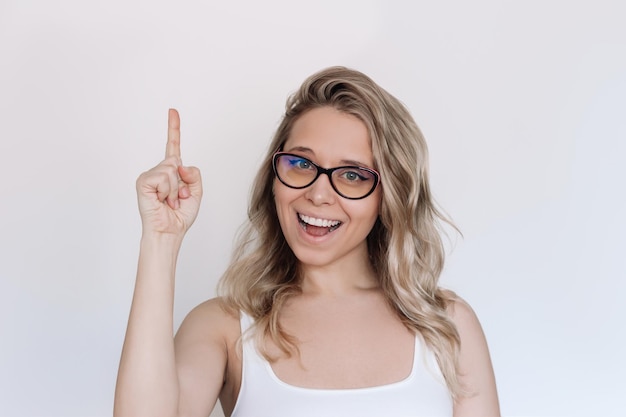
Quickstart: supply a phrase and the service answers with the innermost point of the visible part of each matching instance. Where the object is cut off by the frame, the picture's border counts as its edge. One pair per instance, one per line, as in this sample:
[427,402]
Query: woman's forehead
[328,133]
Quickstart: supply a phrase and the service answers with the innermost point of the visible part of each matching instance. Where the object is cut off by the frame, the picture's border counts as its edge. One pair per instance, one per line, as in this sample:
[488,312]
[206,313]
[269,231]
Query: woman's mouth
[317,227]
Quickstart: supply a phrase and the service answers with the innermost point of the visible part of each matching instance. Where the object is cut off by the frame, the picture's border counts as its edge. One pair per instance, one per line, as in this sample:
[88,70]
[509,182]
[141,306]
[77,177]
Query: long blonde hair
[405,245]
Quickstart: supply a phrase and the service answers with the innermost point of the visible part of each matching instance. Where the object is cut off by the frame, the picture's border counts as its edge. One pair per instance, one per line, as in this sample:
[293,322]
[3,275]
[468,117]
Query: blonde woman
[331,304]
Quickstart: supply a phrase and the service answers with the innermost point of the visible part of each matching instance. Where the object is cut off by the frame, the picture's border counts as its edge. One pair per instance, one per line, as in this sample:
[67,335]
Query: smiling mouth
[317,227]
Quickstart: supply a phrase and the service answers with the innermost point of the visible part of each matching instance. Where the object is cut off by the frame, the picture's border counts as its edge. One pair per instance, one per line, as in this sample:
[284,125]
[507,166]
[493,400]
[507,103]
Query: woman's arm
[476,371]
[169,198]
[147,382]
[202,354]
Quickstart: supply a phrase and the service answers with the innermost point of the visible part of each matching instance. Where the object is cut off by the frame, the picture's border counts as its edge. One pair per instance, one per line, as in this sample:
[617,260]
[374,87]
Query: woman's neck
[339,278]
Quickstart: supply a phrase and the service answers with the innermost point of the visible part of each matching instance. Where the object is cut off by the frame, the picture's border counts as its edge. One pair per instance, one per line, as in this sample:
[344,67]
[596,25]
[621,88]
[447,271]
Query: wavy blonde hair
[405,245]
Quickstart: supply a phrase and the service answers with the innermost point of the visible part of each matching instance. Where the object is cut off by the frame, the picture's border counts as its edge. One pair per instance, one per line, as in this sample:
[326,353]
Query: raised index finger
[173,134]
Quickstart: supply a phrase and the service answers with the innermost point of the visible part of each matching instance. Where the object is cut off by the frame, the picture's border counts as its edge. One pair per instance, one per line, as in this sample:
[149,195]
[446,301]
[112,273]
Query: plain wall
[523,105]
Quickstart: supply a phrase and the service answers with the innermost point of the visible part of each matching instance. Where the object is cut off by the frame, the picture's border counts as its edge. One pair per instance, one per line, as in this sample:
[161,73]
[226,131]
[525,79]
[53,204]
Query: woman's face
[321,227]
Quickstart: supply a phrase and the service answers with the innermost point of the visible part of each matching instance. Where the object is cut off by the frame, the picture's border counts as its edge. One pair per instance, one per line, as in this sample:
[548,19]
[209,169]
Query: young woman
[330,306]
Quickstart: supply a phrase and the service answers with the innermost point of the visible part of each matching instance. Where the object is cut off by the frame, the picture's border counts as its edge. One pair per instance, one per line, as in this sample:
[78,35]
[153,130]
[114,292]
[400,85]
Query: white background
[523,104]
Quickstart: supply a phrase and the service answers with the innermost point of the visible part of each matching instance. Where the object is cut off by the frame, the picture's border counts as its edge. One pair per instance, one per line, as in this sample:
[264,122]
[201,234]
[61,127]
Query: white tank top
[263,394]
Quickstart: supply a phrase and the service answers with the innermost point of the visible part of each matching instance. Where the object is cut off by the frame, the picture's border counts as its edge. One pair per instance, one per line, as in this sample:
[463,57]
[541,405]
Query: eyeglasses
[351,182]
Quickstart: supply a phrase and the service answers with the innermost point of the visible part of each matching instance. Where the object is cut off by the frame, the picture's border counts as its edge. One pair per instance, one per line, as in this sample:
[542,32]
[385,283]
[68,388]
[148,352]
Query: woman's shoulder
[216,307]
[211,319]
[459,310]
[464,318]
[475,367]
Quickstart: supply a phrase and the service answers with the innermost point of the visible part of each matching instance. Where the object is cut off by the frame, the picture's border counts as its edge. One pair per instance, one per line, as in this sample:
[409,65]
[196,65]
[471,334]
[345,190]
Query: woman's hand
[169,194]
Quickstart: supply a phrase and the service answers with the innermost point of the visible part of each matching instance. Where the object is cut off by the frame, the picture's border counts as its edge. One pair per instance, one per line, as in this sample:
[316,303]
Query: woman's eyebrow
[310,151]
[353,162]
[301,149]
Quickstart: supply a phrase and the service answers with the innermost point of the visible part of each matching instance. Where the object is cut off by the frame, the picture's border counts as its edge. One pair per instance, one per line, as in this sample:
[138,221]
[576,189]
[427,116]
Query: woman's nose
[321,191]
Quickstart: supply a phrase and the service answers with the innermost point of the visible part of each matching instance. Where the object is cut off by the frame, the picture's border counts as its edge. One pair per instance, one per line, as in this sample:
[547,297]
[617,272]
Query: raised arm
[169,198]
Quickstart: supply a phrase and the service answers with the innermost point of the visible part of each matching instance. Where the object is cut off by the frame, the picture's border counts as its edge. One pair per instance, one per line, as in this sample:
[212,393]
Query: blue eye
[300,163]
[354,175]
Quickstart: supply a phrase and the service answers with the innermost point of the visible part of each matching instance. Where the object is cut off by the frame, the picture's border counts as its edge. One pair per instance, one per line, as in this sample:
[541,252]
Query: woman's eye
[303,164]
[352,176]
[300,164]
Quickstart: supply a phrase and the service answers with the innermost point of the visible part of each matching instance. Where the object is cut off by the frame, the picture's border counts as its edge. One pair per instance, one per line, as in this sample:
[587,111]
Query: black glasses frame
[327,171]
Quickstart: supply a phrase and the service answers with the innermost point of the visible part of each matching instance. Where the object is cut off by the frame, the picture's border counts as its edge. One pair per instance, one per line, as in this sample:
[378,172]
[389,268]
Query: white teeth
[318,222]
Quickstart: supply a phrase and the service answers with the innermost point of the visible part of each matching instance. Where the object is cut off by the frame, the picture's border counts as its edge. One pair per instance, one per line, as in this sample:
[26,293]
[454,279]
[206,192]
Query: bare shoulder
[476,370]
[203,345]
[464,317]
[210,318]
